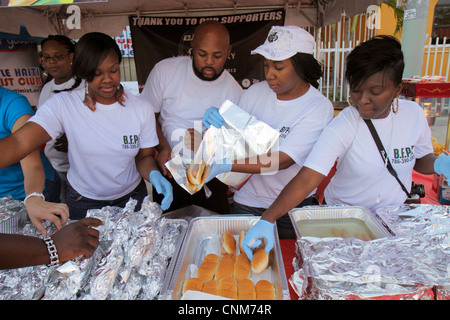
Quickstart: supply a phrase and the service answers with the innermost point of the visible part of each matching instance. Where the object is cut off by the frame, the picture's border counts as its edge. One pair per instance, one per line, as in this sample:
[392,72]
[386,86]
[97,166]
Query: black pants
[217,202]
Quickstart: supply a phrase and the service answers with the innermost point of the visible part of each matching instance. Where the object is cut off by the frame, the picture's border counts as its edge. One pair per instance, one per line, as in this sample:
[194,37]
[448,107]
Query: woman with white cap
[287,101]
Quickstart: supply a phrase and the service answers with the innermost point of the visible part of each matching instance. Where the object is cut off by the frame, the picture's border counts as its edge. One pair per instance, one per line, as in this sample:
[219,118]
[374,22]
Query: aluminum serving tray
[200,231]
[373,221]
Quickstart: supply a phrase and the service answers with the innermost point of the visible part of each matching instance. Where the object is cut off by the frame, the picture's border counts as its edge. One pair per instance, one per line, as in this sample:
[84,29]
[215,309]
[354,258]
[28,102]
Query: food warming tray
[315,214]
[201,230]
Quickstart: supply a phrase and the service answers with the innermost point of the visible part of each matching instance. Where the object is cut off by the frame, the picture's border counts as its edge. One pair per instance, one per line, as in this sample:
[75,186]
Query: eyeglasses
[58,57]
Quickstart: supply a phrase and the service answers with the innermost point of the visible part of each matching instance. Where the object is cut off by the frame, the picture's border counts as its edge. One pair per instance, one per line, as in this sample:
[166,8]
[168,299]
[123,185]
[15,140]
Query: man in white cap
[287,101]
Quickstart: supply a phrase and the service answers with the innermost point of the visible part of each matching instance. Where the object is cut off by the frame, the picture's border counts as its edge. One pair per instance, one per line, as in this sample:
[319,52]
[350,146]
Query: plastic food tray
[192,251]
[374,222]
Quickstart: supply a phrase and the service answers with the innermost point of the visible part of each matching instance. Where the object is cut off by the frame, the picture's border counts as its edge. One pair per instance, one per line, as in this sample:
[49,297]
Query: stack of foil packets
[413,265]
[130,263]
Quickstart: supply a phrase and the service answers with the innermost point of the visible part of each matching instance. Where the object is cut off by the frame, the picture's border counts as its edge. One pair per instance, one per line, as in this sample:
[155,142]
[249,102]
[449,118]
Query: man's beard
[200,75]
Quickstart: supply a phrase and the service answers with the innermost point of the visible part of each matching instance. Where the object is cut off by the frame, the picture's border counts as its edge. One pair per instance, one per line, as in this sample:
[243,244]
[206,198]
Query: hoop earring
[395,105]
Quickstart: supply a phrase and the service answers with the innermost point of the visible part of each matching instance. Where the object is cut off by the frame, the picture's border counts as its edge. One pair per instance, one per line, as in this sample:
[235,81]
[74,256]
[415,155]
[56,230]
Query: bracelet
[54,258]
[34,194]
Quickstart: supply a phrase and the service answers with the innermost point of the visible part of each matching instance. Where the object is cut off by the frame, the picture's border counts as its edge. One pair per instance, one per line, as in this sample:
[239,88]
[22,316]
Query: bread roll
[228,243]
[208,267]
[227,287]
[242,268]
[211,286]
[241,238]
[264,290]
[226,266]
[194,284]
[196,175]
[260,260]
[246,290]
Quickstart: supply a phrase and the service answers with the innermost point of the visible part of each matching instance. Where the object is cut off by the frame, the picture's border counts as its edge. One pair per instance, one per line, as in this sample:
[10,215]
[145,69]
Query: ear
[229,51]
[398,90]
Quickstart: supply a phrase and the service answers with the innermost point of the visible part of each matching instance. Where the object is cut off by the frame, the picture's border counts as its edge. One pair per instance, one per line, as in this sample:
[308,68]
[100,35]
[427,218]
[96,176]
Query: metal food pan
[377,226]
[200,231]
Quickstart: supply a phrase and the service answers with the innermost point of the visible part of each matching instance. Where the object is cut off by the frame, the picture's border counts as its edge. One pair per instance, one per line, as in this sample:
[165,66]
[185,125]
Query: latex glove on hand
[162,185]
[218,168]
[442,165]
[213,117]
[261,230]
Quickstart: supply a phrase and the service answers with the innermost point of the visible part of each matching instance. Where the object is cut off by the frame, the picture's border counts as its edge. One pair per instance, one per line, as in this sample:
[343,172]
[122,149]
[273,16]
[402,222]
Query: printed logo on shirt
[284,131]
[130,142]
[403,155]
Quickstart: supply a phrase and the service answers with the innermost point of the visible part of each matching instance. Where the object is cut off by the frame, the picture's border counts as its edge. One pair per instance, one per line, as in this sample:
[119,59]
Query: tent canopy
[111,16]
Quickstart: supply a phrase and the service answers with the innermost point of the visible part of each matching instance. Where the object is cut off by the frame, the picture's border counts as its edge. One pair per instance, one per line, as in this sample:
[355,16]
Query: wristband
[54,258]
[34,194]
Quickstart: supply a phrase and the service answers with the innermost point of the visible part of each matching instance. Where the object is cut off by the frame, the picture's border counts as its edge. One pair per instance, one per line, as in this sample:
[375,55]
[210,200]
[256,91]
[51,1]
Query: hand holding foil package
[242,136]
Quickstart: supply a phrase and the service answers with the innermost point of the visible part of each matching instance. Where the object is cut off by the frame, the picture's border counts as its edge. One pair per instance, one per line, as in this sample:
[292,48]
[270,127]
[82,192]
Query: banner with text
[19,68]
[157,38]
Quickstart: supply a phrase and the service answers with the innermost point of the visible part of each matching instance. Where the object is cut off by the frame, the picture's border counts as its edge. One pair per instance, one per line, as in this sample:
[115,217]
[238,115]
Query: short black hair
[90,51]
[307,68]
[380,53]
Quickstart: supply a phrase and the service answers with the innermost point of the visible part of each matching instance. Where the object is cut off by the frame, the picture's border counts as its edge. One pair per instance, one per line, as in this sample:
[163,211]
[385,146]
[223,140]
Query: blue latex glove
[213,117]
[218,168]
[261,230]
[163,186]
[442,165]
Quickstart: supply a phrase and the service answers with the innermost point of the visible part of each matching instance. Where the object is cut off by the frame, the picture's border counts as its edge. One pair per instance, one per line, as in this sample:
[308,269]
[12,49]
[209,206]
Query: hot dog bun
[196,175]
[211,286]
[246,290]
[208,267]
[260,260]
[242,268]
[228,243]
[194,284]
[241,238]
[226,266]
[264,290]
[228,288]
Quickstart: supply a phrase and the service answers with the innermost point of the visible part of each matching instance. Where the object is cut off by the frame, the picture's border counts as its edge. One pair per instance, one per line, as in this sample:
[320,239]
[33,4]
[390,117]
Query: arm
[74,240]
[22,142]
[34,181]
[425,165]
[268,162]
[148,169]
[295,192]
[164,150]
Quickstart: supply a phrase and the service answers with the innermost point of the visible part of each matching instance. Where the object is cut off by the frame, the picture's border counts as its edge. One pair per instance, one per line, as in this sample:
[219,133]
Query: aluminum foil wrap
[13,215]
[242,136]
[411,265]
[130,263]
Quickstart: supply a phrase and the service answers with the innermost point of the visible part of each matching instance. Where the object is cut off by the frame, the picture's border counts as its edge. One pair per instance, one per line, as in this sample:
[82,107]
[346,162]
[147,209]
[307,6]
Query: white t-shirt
[300,122]
[59,160]
[361,178]
[182,98]
[102,143]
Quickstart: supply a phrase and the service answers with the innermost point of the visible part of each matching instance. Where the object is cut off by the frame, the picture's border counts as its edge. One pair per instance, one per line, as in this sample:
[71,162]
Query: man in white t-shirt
[181,89]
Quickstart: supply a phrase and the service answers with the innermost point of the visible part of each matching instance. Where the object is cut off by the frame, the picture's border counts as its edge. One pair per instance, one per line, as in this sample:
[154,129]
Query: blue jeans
[284,224]
[79,205]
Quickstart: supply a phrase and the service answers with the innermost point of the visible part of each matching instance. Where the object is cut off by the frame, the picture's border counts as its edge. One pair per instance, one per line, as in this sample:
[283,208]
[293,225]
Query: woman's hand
[40,210]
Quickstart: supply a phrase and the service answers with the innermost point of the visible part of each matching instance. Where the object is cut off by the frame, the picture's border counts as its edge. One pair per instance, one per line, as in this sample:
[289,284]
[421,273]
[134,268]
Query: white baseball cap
[284,42]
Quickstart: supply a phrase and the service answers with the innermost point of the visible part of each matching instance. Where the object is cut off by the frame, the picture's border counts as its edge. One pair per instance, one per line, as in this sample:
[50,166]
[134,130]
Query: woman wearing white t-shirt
[374,73]
[111,133]
[289,102]
[57,56]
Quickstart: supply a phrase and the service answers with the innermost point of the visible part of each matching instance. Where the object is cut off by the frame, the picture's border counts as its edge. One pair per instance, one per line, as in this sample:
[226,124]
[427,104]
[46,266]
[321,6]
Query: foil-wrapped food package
[242,136]
[130,262]
[411,265]
[13,215]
